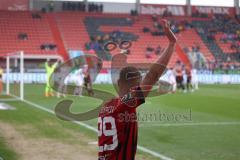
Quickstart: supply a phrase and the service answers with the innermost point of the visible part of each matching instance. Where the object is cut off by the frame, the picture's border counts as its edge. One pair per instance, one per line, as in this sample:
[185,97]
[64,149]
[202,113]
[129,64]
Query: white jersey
[79,77]
[184,77]
[171,76]
[194,79]
[69,79]
[194,75]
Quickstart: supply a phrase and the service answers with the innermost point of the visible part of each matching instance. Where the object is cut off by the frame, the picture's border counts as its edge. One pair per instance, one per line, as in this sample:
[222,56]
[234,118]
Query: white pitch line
[155,154]
[191,124]
[141,148]
[93,143]
[51,111]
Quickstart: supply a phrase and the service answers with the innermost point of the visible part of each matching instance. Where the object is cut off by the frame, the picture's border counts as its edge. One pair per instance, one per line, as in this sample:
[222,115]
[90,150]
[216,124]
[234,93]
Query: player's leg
[60,90]
[76,90]
[65,90]
[66,82]
[51,91]
[174,87]
[85,86]
[80,84]
[90,90]
[47,91]
[182,84]
[188,83]
[196,85]
[178,83]
[47,87]
[80,90]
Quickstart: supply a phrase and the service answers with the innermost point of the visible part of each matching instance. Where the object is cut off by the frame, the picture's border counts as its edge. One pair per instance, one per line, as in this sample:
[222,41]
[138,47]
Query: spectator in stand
[106,38]
[91,51]
[101,8]
[149,51]
[22,36]
[36,16]
[95,8]
[80,6]
[181,28]
[177,26]
[238,33]
[156,24]
[48,46]
[174,28]
[154,18]
[224,38]
[201,30]
[146,29]
[186,49]
[210,37]
[167,13]
[96,46]
[188,25]
[51,6]
[134,13]
[100,39]
[116,35]
[158,50]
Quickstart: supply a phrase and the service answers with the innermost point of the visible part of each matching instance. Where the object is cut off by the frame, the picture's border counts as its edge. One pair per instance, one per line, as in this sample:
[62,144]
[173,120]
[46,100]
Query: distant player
[188,73]
[49,70]
[88,81]
[79,81]
[172,79]
[69,79]
[179,76]
[194,79]
[1,81]
[117,134]
[62,86]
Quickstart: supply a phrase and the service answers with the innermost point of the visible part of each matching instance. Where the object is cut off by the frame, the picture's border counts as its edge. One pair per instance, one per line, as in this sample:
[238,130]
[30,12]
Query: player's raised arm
[159,66]
[46,64]
[56,64]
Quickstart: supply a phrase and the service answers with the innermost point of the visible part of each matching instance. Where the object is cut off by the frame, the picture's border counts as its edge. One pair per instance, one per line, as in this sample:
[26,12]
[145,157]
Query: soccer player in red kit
[189,78]
[117,121]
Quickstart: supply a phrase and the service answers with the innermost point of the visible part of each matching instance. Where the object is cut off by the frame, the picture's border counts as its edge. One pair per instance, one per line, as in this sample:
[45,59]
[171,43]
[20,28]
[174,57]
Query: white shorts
[79,81]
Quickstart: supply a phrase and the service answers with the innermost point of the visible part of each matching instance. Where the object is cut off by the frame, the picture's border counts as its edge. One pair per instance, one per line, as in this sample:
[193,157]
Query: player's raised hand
[158,68]
[167,29]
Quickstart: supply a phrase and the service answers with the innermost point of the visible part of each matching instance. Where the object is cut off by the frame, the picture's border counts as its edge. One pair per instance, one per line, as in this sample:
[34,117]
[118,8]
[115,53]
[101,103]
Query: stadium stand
[220,36]
[59,32]
[37,30]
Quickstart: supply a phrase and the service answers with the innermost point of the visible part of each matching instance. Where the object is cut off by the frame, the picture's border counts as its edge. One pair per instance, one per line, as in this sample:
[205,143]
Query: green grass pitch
[203,125]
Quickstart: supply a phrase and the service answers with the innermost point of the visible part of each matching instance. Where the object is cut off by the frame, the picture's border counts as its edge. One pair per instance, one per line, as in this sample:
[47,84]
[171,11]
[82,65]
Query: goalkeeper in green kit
[49,70]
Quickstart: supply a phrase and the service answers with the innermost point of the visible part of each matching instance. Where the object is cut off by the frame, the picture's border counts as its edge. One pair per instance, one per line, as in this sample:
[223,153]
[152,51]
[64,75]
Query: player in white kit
[79,80]
[172,79]
[194,79]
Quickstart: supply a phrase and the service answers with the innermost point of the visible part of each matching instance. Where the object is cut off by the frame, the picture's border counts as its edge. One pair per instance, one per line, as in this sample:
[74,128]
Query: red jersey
[179,71]
[188,72]
[117,127]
